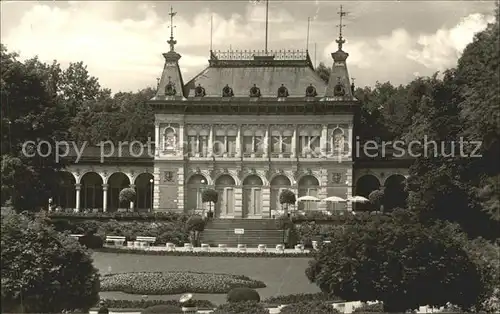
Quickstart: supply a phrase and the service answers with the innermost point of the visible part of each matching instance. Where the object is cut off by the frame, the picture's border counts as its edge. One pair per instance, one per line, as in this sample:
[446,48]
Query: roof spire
[341,40]
[172,41]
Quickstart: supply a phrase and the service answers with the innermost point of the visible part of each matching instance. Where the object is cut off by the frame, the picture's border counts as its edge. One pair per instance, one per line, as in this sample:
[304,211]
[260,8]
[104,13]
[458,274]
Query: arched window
[169,139]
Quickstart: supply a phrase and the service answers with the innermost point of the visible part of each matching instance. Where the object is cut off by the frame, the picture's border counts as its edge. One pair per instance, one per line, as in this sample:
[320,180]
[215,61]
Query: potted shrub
[243,294]
[210,196]
[128,195]
[287,198]
[377,199]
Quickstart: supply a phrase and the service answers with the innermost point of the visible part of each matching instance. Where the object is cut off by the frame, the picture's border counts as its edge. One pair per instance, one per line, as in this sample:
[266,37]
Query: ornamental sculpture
[199,91]
[227,91]
[282,91]
[254,91]
[170,88]
[311,91]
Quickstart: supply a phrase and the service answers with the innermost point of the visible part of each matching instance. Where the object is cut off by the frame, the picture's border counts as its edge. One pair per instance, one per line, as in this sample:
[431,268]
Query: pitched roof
[240,70]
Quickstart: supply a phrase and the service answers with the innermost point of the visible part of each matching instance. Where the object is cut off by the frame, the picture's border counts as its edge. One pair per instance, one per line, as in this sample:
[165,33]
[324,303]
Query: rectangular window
[191,145]
[258,144]
[287,144]
[276,145]
[203,147]
[231,145]
[248,144]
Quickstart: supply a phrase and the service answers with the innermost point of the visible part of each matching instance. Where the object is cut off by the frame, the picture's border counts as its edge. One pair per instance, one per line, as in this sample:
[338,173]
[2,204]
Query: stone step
[251,224]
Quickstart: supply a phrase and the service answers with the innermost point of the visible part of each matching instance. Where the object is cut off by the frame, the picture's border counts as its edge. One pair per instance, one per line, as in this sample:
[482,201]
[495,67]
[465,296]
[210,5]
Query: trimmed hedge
[370,308]
[161,309]
[208,254]
[175,282]
[243,295]
[316,307]
[163,216]
[142,304]
[241,308]
[302,297]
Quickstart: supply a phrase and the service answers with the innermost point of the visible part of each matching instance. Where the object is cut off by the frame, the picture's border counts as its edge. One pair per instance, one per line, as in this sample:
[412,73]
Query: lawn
[281,275]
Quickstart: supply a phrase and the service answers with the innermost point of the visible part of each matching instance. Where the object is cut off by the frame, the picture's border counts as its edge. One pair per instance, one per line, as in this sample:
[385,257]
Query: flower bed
[302,297]
[201,253]
[155,283]
[142,304]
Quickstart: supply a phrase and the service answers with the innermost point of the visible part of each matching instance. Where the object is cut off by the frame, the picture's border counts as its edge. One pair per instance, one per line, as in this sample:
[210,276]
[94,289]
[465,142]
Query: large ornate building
[249,125]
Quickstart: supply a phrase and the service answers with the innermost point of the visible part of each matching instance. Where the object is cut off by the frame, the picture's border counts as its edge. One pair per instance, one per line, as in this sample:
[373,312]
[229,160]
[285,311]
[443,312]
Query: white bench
[205,247]
[299,247]
[116,240]
[280,248]
[262,248]
[188,247]
[242,247]
[170,247]
[76,236]
[223,247]
[145,241]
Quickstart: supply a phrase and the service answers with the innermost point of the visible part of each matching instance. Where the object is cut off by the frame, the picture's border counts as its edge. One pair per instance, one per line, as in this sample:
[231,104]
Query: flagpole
[307,40]
[267,21]
[211,30]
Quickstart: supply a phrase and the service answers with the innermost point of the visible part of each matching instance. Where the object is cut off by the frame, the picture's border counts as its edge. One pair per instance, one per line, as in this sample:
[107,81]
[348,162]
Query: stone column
[180,140]
[238,142]
[323,190]
[132,186]
[77,189]
[294,142]
[180,189]
[157,138]
[352,146]
[156,189]
[211,141]
[349,183]
[105,197]
[266,201]
[266,142]
[324,141]
[238,198]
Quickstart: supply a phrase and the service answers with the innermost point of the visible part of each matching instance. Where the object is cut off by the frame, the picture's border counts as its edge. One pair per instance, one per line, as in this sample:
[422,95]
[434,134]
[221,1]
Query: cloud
[442,49]
[400,56]
[125,54]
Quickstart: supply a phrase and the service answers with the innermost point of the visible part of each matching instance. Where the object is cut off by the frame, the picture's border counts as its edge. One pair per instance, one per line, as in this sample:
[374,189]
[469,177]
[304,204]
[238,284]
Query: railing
[251,54]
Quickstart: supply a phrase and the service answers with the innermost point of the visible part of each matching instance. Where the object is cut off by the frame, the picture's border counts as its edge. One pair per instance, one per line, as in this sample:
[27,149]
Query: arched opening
[195,186]
[224,185]
[252,196]
[364,186]
[169,137]
[65,194]
[308,186]
[395,194]
[278,184]
[117,182]
[144,184]
[91,191]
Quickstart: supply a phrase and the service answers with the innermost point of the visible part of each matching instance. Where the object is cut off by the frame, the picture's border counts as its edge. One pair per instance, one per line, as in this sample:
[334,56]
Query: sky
[122,42]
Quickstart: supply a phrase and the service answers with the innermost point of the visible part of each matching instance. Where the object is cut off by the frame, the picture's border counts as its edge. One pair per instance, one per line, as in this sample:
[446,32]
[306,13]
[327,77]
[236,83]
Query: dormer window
[254,91]
[199,91]
[311,91]
[339,90]
[170,89]
[282,91]
[227,91]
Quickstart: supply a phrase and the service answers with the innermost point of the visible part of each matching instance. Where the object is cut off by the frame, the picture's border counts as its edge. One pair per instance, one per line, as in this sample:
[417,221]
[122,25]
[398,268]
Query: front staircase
[256,231]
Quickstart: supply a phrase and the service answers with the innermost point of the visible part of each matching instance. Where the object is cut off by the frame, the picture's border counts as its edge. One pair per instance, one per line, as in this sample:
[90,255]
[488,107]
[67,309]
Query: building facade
[249,126]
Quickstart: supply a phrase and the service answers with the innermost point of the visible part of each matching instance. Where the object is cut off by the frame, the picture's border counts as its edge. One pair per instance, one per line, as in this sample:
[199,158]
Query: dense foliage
[243,295]
[161,309]
[142,304]
[210,196]
[175,282]
[44,271]
[127,195]
[403,263]
[287,198]
[241,308]
[302,297]
[195,225]
[310,307]
[135,216]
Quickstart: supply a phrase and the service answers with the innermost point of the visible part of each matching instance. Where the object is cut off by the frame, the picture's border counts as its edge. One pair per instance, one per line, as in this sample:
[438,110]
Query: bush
[243,295]
[130,216]
[175,282]
[301,297]
[142,304]
[370,308]
[287,198]
[210,196]
[44,270]
[194,225]
[432,263]
[315,307]
[283,222]
[91,241]
[162,308]
[241,308]
[127,195]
